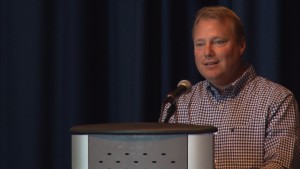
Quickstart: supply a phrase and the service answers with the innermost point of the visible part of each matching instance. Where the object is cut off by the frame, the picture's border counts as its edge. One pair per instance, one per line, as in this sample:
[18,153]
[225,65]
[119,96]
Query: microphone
[183,87]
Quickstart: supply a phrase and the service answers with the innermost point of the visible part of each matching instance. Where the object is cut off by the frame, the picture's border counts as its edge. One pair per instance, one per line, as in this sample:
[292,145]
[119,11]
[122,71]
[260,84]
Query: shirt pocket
[244,144]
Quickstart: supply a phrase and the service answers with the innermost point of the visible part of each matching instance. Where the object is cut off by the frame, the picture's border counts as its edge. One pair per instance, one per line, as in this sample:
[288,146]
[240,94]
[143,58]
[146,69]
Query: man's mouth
[211,63]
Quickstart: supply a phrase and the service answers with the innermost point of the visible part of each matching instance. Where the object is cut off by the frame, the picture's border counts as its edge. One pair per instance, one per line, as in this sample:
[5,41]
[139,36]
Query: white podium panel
[80,152]
[142,146]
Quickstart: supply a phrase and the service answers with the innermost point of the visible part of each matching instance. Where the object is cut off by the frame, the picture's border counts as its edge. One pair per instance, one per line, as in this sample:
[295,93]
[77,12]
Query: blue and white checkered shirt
[257,121]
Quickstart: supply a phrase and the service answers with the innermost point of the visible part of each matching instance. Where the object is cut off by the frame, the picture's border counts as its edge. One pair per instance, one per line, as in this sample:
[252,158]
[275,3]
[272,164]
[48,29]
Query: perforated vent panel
[137,152]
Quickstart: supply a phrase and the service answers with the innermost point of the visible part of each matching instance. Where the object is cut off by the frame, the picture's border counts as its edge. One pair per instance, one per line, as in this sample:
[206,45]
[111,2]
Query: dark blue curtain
[71,62]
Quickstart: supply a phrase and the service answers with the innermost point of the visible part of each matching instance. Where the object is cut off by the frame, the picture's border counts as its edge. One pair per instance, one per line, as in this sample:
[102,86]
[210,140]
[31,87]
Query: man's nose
[208,50]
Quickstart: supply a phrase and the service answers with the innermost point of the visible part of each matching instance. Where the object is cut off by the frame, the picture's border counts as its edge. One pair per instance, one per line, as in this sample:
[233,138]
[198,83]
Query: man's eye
[199,44]
[219,42]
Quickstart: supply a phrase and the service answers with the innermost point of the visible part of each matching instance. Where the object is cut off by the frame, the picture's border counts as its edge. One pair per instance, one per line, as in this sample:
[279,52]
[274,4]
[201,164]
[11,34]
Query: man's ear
[242,47]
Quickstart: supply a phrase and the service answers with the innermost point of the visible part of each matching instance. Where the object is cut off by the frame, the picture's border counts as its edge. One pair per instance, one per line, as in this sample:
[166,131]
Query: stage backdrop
[70,62]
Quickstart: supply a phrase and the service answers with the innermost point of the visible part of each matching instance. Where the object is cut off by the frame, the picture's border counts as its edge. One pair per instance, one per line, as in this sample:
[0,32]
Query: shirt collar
[235,87]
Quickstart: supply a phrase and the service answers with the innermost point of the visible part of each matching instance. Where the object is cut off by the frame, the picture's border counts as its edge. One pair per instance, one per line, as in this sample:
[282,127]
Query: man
[257,120]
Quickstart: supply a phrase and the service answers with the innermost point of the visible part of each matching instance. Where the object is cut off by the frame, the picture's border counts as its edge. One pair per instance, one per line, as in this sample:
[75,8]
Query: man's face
[217,52]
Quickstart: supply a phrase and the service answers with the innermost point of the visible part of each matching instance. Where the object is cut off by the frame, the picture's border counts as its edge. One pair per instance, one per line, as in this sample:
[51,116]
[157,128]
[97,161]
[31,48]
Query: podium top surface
[142,128]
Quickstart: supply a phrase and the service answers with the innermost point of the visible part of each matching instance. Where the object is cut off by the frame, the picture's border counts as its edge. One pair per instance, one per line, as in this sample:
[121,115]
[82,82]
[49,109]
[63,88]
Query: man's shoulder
[264,84]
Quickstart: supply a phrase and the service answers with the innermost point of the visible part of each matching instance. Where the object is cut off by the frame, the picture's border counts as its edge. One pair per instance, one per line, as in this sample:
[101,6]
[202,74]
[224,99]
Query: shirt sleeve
[282,135]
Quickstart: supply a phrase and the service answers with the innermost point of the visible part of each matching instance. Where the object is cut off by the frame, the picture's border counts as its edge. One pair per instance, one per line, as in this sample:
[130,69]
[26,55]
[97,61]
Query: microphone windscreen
[186,84]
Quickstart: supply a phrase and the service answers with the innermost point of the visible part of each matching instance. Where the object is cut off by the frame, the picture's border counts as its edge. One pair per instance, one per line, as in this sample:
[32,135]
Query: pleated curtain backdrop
[71,62]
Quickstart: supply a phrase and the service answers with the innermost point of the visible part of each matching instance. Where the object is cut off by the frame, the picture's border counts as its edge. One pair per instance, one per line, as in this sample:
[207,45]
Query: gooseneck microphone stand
[170,111]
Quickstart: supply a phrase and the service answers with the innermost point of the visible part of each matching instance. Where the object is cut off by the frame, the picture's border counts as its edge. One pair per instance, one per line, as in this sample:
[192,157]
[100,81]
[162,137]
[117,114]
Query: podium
[142,146]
